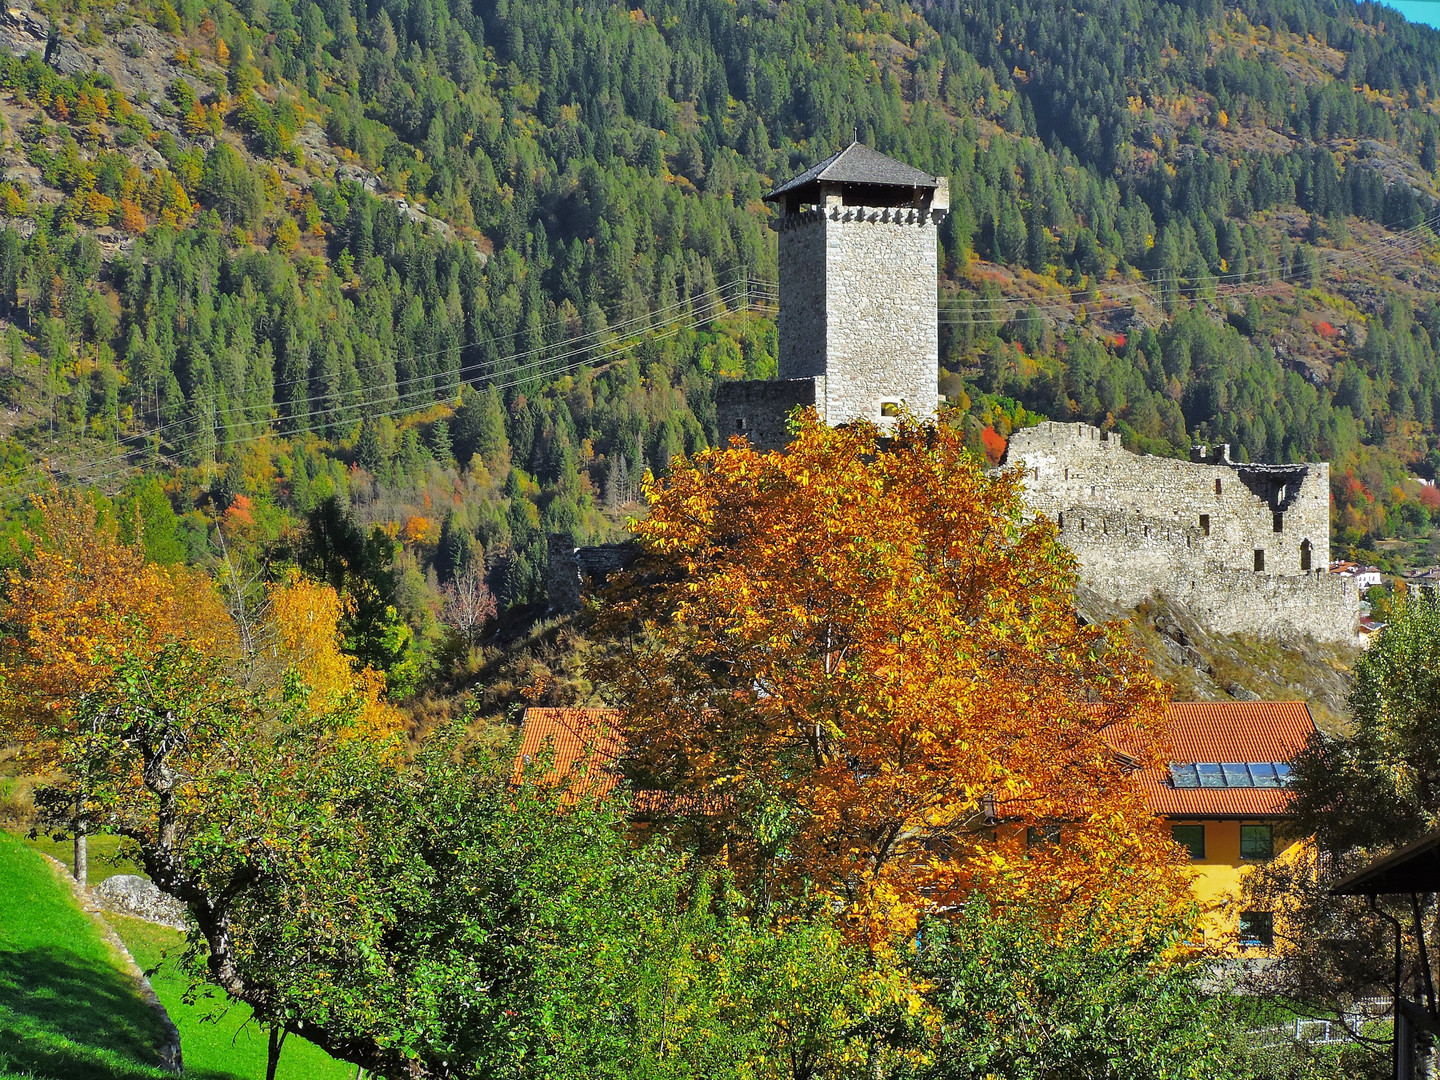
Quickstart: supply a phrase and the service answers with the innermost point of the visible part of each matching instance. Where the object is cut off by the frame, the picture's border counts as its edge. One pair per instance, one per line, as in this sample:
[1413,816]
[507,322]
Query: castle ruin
[859,337]
[1246,548]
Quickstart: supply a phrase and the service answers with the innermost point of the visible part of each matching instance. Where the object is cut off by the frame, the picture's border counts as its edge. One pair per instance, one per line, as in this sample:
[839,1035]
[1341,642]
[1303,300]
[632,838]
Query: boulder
[130,894]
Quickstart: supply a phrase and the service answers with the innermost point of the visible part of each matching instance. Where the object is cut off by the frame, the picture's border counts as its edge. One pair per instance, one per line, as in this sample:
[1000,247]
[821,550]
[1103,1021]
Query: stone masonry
[571,570]
[1245,547]
[858,271]
[861,307]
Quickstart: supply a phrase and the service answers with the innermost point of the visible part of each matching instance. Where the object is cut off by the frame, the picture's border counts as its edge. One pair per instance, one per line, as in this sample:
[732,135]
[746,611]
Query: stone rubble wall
[1135,524]
[801,325]
[858,307]
[570,570]
[1075,465]
[759,409]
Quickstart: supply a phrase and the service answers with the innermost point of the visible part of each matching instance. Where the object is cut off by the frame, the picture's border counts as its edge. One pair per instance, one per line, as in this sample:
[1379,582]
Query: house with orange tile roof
[1222,793]
[1224,796]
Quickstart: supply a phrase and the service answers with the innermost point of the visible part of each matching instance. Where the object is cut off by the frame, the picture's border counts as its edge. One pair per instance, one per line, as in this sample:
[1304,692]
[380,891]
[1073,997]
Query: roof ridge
[865,165]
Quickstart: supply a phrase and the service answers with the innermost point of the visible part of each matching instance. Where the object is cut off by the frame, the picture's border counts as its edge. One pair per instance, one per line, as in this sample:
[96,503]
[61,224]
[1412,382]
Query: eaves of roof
[857,164]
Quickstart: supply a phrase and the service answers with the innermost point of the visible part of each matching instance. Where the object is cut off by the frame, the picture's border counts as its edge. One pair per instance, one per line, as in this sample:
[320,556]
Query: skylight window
[1230,774]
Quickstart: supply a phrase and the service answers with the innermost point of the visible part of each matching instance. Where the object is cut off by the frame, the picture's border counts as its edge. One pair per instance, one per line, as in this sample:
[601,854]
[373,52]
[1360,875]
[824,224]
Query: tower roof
[857,164]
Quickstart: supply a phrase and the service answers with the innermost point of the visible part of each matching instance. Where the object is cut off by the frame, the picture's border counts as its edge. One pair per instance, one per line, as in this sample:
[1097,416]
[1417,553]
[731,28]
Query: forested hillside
[394,290]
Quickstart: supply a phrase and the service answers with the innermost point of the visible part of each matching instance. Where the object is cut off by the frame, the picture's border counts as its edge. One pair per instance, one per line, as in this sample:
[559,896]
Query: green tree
[1361,794]
[230,187]
[1379,785]
[146,509]
[1017,1003]
[479,428]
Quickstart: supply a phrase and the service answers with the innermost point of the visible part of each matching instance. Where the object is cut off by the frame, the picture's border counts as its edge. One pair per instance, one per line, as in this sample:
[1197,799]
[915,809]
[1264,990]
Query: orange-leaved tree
[869,653]
[79,597]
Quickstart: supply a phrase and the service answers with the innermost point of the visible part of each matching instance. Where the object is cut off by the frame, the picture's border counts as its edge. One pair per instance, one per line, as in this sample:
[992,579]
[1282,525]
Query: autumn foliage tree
[871,658]
[79,597]
[228,762]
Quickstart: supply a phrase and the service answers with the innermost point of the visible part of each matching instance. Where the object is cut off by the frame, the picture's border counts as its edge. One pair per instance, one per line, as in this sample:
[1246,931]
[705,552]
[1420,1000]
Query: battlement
[1210,532]
[1058,433]
[889,215]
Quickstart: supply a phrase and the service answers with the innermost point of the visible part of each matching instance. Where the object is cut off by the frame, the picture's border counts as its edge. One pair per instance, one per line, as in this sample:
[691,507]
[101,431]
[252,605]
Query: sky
[1421,11]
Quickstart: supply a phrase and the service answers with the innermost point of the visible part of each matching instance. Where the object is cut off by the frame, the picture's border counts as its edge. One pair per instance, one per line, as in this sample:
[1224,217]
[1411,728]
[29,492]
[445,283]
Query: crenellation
[858,314]
[1246,546]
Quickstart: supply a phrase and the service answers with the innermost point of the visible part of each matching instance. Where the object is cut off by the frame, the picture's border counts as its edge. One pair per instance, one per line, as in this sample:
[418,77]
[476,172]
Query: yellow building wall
[1219,874]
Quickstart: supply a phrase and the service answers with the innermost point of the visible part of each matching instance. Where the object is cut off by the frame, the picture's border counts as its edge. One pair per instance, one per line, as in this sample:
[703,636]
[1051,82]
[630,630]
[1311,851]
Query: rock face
[131,894]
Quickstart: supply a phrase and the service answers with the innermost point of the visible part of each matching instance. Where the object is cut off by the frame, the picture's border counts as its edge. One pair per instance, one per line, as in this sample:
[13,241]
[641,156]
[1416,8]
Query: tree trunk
[277,1043]
[82,848]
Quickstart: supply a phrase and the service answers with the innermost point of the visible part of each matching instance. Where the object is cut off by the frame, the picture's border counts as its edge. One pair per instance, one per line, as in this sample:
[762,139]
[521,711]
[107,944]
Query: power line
[665,322]
[710,303]
[715,307]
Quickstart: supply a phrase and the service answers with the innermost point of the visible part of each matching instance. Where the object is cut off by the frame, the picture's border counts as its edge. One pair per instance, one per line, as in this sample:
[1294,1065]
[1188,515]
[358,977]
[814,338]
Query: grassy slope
[105,858]
[217,1041]
[68,1011]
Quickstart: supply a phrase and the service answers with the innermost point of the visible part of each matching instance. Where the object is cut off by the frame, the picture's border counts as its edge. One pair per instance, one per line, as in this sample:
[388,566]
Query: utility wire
[666,322]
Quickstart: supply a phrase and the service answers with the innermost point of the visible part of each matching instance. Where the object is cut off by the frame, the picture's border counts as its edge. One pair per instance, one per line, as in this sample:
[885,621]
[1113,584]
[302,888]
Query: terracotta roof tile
[1220,731]
[574,733]
[570,734]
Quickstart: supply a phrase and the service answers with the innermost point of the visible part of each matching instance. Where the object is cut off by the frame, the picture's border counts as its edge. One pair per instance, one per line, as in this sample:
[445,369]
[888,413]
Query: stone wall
[759,409]
[801,322]
[1239,509]
[1229,540]
[571,571]
[858,306]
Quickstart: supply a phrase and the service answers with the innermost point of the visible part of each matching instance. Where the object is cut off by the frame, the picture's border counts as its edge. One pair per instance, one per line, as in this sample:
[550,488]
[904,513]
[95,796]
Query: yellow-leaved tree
[868,658]
[82,599]
[79,597]
[302,635]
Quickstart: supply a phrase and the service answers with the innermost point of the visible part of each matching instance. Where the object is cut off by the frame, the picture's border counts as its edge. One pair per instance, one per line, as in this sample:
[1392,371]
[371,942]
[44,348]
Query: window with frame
[890,409]
[1257,929]
[1191,838]
[1042,835]
[1257,842]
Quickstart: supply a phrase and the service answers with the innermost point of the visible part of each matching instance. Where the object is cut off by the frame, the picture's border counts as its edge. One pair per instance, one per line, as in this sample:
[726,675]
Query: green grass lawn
[217,1039]
[105,858]
[68,1011]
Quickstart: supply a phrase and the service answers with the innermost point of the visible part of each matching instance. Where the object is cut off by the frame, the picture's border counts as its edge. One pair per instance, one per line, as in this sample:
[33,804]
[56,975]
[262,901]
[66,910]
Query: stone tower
[859,336]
